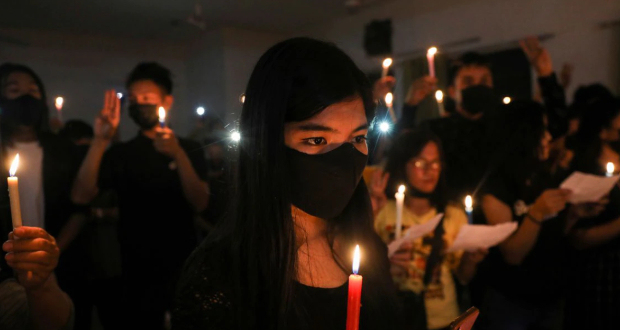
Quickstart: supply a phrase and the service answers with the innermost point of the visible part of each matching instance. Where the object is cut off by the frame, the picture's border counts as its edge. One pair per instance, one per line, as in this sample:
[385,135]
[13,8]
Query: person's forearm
[466,271]
[85,185]
[50,307]
[587,238]
[518,246]
[195,190]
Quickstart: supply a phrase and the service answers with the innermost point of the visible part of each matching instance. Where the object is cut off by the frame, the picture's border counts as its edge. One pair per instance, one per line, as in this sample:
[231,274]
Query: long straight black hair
[293,81]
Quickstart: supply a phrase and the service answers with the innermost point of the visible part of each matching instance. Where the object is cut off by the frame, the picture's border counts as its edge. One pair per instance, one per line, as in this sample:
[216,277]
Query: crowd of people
[165,232]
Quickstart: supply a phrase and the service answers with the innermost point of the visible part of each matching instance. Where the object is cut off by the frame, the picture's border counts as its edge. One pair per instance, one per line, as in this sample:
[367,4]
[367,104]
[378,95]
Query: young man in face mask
[159,179]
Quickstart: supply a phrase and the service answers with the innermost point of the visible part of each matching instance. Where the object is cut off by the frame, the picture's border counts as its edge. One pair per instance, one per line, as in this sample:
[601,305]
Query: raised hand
[33,254]
[420,89]
[550,202]
[537,55]
[109,117]
[383,86]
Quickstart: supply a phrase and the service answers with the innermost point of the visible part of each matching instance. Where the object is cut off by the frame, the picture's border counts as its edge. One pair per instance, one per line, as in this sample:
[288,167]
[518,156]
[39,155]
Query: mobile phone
[465,321]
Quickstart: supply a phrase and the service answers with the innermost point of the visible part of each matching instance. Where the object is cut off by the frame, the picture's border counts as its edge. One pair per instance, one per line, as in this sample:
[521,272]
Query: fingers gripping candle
[16,211]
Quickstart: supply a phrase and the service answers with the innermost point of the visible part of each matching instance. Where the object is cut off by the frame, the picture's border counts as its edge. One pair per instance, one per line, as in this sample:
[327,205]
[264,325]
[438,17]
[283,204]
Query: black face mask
[479,99]
[322,185]
[414,192]
[25,110]
[144,115]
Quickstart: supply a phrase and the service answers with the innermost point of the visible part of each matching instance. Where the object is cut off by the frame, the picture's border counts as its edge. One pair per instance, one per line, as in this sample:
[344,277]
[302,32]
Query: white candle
[430,57]
[162,117]
[611,168]
[386,67]
[59,103]
[469,209]
[389,102]
[400,202]
[439,98]
[16,211]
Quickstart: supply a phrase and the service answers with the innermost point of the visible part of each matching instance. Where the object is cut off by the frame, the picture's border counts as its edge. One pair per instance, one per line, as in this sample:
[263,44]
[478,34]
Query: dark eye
[360,139]
[316,141]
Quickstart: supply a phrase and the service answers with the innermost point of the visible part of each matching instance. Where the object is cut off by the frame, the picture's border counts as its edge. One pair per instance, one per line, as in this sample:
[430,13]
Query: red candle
[355,293]
[430,57]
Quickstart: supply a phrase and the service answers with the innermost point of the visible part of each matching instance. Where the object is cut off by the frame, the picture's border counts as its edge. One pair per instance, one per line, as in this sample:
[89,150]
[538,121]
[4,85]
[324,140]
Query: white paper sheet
[413,233]
[587,187]
[473,237]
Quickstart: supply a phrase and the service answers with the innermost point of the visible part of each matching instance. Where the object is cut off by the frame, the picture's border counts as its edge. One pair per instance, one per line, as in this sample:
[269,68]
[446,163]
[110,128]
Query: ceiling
[153,18]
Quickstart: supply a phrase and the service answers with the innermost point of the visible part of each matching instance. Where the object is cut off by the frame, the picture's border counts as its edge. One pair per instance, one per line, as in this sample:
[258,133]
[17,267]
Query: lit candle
[162,117]
[507,100]
[430,57]
[59,103]
[439,98]
[16,211]
[400,202]
[469,209]
[386,67]
[355,293]
[389,102]
[611,168]
[242,98]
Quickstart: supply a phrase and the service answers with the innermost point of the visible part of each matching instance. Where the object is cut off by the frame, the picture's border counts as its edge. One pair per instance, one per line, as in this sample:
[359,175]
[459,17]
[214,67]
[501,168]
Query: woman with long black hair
[281,258]
[422,269]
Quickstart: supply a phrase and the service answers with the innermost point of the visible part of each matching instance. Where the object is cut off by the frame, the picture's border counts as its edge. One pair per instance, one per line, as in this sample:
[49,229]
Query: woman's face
[423,171]
[18,84]
[339,123]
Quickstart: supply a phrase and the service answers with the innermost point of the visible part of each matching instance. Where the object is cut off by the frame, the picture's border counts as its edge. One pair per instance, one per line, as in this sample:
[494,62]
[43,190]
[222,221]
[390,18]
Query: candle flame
[389,98]
[14,165]
[439,96]
[468,202]
[432,51]
[356,260]
[387,63]
[162,114]
[611,168]
[507,100]
[242,98]
[401,189]
[59,102]
[200,111]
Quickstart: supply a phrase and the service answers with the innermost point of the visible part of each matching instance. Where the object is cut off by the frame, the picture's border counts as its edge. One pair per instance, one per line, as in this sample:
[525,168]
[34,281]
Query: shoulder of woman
[204,297]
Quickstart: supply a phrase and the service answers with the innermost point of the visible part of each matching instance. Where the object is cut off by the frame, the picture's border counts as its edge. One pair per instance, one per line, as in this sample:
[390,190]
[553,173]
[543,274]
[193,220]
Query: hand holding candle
[430,57]
[162,117]
[16,211]
[355,293]
[386,67]
[469,209]
[400,201]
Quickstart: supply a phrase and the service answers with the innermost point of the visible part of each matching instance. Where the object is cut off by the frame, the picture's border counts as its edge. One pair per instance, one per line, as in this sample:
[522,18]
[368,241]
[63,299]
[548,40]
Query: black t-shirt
[539,279]
[155,219]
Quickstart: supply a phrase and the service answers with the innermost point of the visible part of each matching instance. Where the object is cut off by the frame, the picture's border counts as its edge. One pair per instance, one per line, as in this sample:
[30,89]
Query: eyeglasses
[423,164]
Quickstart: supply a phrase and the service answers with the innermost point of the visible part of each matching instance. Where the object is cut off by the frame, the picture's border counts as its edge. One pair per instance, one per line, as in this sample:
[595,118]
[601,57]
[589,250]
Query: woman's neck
[316,265]
[418,206]
[24,134]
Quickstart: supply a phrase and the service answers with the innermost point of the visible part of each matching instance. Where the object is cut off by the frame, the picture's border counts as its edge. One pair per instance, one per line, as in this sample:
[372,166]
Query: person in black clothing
[48,166]
[524,274]
[594,296]
[464,132]
[280,260]
[159,179]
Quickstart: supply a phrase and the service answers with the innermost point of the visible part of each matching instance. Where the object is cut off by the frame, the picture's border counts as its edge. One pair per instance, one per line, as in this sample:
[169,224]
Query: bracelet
[534,220]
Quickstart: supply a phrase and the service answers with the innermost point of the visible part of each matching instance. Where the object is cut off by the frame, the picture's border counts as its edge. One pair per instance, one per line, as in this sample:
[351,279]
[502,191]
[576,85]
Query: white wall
[81,68]
[417,25]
